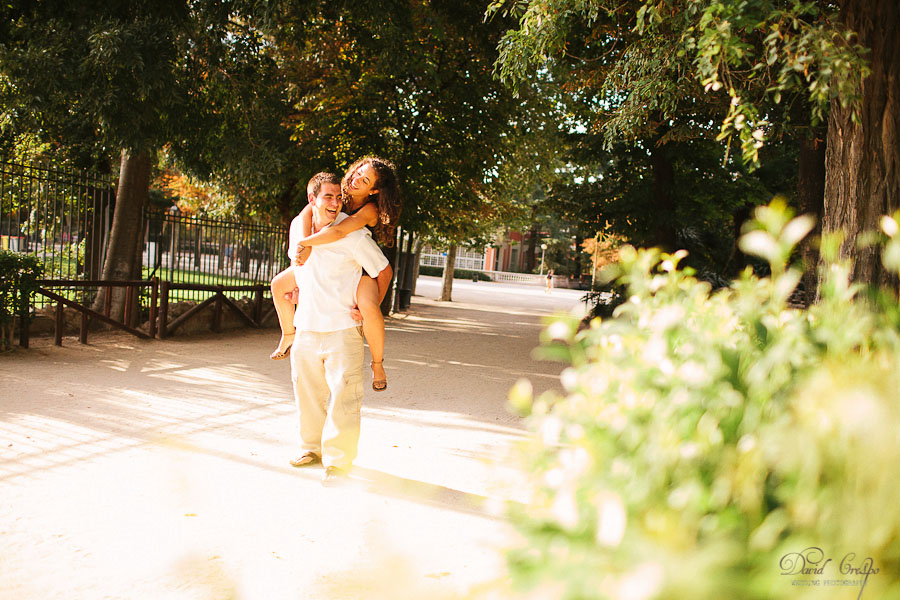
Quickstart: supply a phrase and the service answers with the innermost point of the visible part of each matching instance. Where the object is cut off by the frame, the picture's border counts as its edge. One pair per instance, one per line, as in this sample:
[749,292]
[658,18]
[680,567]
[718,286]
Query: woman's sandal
[279,353]
[379,385]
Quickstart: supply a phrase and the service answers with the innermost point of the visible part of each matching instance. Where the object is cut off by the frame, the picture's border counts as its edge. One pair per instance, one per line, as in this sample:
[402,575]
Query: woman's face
[363,180]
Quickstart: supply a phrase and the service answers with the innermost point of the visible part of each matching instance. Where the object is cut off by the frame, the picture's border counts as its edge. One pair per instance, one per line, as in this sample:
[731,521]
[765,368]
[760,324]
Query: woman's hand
[302,254]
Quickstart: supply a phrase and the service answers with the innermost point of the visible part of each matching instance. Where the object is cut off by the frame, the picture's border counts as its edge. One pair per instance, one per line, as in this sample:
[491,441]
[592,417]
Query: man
[327,352]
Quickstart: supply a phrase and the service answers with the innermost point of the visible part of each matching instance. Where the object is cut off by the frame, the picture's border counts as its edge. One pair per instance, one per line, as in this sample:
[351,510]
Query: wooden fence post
[24,330]
[154,298]
[60,323]
[85,322]
[257,305]
[163,309]
[217,315]
[128,317]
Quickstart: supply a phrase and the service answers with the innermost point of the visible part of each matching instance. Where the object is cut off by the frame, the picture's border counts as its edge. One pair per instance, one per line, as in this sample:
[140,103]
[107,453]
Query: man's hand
[354,312]
[293,296]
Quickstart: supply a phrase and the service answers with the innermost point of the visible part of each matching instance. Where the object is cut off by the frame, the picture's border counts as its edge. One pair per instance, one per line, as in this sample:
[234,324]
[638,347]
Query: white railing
[474,263]
[517,277]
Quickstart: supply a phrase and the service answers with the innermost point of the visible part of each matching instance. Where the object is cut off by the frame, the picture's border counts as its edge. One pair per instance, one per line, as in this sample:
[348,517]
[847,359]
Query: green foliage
[18,273]
[457,273]
[688,63]
[414,83]
[706,435]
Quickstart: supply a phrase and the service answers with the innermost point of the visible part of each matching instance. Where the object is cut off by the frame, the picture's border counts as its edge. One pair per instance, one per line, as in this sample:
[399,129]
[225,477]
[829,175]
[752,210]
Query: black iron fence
[64,217]
[61,216]
[199,250]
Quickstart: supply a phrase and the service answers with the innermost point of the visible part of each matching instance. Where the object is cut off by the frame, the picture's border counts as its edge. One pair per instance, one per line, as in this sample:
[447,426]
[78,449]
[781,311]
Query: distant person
[327,348]
[371,198]
[549,281]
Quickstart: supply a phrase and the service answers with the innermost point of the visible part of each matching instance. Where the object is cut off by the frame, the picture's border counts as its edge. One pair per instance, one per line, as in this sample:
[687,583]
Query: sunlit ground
[134,469]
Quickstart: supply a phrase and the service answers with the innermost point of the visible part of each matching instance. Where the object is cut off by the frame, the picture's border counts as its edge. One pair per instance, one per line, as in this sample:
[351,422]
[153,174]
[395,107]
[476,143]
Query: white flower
[642,583]
[558,330]
[611,520]
[569,379]
[564,508]
[746,443]
[550,429]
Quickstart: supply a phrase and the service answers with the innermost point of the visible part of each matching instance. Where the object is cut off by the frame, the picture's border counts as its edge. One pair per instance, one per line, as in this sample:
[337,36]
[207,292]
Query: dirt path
[133,469]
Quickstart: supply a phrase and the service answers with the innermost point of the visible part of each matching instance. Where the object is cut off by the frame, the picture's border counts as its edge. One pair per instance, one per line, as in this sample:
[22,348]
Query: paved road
[158,469]
[487,293]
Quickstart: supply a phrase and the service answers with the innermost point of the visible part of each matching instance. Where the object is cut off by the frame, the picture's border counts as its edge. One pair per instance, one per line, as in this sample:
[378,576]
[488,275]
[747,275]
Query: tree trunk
[447,287]
[284,203]
[417,256]
[862,180]
[131,196]
[664,203]
[532,248]
[811,201]
[408,265]
[390,298]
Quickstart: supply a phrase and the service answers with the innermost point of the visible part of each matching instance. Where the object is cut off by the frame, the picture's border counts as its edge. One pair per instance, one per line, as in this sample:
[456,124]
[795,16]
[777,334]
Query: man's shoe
[309,458]
[334,476]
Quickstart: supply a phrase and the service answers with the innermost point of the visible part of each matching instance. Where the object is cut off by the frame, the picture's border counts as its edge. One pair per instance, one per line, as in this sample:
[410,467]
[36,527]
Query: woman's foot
[284,346]
[379,377]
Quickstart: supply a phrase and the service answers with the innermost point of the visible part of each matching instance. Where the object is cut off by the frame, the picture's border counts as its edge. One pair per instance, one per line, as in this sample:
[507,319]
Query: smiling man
[327,353]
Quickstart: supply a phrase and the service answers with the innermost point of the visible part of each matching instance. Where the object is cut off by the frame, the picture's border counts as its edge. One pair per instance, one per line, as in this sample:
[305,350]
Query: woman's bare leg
[373,327]
[284,283]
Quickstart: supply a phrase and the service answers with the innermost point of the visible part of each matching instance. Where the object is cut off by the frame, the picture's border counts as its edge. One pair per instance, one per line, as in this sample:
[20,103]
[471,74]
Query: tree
[755,54]
[412,82]
[862,181]
[129,76]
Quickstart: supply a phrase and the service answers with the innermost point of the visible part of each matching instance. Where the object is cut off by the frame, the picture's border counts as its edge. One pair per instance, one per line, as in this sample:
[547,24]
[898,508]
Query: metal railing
[462,262]
[60,215]
[209,252]
[64,217]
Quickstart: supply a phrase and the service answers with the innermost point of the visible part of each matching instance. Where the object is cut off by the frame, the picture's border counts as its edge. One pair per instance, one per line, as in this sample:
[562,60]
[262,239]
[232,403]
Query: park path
[158,469]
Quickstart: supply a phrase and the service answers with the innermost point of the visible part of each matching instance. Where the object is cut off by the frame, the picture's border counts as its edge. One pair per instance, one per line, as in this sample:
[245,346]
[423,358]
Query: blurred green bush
[719,444]
[18,273]
[457,273]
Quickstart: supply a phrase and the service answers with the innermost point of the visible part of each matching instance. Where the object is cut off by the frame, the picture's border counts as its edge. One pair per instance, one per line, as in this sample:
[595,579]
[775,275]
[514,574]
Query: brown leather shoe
[309,458]
[335,476]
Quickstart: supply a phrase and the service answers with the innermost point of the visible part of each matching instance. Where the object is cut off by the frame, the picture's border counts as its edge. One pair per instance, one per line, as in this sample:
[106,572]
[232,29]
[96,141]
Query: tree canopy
[755,69]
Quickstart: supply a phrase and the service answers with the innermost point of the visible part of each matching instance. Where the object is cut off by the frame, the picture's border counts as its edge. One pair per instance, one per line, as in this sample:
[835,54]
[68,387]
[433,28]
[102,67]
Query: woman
[371,196]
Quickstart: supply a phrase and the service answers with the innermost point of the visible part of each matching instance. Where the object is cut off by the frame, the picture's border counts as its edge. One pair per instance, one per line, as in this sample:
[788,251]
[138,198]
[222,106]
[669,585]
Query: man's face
[327,204]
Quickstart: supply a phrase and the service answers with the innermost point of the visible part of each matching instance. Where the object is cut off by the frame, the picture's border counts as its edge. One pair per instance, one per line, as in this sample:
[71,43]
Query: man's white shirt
[330,276]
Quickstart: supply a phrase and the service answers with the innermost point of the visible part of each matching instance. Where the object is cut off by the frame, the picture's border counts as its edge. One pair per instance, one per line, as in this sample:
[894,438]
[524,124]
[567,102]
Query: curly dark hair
[387,199]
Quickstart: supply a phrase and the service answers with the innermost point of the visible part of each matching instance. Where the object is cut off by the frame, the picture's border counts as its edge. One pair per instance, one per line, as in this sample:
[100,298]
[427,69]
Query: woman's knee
[368,305]
[282,282]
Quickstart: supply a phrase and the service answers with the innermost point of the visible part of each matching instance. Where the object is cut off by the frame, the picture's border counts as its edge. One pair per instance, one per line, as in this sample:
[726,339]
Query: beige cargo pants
[326,369]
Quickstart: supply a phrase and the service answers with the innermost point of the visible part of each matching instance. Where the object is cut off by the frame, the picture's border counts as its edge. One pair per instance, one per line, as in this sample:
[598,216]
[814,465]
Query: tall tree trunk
[663,201]
[811,201]
[284,203]
[447,287]
[532,248]
[578,257]
[417,256]
[862,180]
[121,255]
[390,298]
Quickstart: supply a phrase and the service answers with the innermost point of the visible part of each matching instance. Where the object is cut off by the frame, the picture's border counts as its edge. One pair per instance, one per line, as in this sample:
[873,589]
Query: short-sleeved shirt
[330,276]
